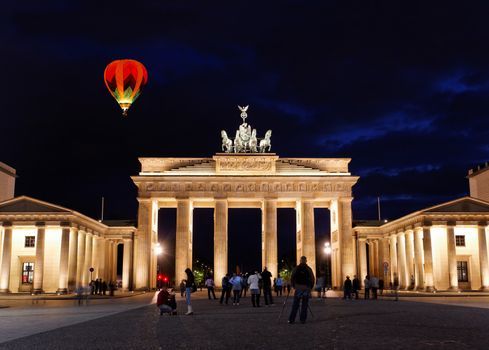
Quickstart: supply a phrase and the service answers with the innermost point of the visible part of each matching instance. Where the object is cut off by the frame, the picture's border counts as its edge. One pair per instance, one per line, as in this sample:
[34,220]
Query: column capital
[40,224]
[482,224]
[6,224]
[451,224]
[345,199]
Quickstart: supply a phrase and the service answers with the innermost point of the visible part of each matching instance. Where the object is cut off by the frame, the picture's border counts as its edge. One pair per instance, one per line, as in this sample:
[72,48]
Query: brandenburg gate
[245,175]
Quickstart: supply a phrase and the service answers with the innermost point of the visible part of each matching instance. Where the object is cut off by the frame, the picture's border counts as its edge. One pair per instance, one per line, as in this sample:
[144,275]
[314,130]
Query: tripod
[285,303]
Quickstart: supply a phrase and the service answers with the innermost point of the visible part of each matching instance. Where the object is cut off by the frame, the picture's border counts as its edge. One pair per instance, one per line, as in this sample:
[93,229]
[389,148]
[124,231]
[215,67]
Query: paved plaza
[131,323]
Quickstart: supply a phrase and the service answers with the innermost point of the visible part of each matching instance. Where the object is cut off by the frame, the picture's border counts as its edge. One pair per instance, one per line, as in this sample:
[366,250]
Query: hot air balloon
[125,80]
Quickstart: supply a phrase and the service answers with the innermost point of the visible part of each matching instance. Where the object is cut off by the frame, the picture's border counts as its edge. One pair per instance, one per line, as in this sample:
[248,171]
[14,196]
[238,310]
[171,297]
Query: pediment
[462,205]
[30,205]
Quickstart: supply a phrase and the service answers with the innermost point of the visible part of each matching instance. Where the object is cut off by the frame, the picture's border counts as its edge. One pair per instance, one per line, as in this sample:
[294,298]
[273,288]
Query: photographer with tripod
[302,281]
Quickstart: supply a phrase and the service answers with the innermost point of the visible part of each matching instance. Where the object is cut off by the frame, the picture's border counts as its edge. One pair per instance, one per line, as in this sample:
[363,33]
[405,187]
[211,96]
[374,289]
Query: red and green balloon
[125,80]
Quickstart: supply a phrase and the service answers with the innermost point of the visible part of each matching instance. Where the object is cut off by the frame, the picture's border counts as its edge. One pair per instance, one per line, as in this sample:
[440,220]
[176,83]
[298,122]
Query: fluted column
[308,235]
[72,261]
[183,258]
[362,253]
[483,256]
[380,262]
[80,268]
[126,265]
[269,236]
[298,221]
[346,233]
[428,259]
[88,256]
[452,257]
[95,257]
[220,240]
[376,258]
[39,265]
[409,255]
[418,258]
[64,257]
[101,258]
[6,256]
[393,246]
[386,258]
[142,258]
[403,274]
[115,254]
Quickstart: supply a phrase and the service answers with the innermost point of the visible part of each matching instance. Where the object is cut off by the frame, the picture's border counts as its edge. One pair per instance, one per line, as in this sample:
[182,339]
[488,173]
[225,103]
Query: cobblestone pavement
[337,324]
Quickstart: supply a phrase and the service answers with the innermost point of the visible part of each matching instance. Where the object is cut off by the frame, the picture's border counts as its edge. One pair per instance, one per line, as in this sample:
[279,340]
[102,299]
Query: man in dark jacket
[347,285]
[226,289]
[356,286]
[266,277]
[302,281]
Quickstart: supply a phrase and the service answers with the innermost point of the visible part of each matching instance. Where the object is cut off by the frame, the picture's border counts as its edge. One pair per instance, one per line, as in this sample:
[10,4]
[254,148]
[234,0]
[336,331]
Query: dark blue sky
[401,89]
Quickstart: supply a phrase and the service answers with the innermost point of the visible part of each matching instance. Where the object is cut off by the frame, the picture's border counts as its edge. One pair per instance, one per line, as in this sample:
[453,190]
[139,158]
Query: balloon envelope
[125,80]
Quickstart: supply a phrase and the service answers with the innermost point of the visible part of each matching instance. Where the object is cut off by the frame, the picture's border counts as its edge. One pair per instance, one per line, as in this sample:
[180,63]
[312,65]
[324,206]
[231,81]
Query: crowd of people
[373,286]
[235,286]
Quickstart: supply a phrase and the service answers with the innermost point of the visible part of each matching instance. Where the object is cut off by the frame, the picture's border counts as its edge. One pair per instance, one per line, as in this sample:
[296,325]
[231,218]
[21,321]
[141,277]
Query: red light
[160,277]
[165,279]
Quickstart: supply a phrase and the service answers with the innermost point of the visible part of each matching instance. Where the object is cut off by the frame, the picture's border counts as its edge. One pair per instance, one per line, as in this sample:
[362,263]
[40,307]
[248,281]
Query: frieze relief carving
[247,186]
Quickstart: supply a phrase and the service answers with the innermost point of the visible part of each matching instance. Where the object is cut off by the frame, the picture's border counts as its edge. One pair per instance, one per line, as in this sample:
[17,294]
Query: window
[30,241]
[27,272]
[462,271]
[460,241]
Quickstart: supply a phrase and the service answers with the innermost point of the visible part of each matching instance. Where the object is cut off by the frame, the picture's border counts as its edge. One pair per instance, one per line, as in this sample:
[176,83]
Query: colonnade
[80,250]
[409,254]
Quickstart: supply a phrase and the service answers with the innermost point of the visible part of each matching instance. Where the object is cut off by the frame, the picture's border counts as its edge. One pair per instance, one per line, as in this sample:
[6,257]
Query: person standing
[366,282]
[396,287]
[381,286]
[374,285]
[254,283]
[182,288]
[236,285]
[302,281]
[347,286]
[356,286]
[226,289]
[104,287]
[267,286]
[279,282]
[320,284]
[244,285]
[209,283]
[189,287]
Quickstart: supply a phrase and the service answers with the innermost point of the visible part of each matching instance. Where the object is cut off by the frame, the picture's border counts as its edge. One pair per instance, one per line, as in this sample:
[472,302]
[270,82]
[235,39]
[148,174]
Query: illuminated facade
[48,248]
[440,248]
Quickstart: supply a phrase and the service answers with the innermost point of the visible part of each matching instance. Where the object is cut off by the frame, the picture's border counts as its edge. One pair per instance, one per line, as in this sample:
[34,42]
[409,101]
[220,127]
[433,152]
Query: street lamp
[158,249]
[327,251]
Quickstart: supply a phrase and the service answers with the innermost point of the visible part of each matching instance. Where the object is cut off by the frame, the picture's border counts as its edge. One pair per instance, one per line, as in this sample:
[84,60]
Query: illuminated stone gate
[244,180]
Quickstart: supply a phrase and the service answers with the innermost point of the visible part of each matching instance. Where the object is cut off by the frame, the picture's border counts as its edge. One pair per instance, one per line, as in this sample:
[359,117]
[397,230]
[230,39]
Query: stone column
[95,257]
[142,258]
[376,258]
[115,254]
[126,265]
[393,246]
[39,265]
[220,240]
[452,257]
[380,262]
[409,255]
[88,257]
[403,274]
[269,236]
[298,221]
[6,256]
[345,232]
[428,260]
[64,257]
[80,265]
[418,258]
[362,253]
[72,261]
[386,258]
[483,256]
[308,235]
[183,256]
[102,259]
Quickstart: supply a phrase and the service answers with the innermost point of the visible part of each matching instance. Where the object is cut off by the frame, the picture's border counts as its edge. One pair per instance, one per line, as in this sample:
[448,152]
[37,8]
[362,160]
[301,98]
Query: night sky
[402,90]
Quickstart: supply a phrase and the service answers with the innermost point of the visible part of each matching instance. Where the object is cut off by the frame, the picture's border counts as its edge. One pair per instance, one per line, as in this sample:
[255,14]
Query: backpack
[194,287]
[302,275]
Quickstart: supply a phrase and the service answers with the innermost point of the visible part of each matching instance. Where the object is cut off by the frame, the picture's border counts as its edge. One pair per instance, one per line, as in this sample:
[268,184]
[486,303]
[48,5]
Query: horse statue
[253,142]
[239,145]
[227,143]
[266,142]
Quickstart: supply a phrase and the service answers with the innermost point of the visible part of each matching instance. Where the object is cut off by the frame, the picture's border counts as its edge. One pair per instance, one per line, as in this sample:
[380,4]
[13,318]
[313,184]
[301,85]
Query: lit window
[27,272]
[30,241]
[462,271]
[460,241]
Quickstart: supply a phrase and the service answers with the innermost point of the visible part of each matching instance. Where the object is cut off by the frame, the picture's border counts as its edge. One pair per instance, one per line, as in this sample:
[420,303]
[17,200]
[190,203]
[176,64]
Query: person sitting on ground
[163,301]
